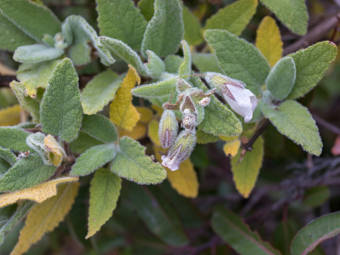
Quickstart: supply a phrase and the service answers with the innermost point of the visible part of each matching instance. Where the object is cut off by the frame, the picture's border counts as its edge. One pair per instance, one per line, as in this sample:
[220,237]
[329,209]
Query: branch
[327,125]
[262,126]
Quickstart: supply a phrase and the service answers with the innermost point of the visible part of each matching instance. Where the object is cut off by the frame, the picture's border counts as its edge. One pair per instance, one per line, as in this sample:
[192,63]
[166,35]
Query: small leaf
[122,111]
[172,63]
[206,62]
[231,148]
[184,69]
[165,30]
[234,17]
[54,150]
[268,40]
[25,173]
[38,193]
[20,13]
[238,58]
[121,20]
[311,65]
[184,180]
[155,65]
[295,121]
[131,163]
[104,194]
[36,53]
[292,13]
[315,232]
[246,168]
[231,228]
[93,158]
[100,128]
[192,27]
[99,91]
[281,78]
[45,217]
[10,116]
[13,138]
[60,109]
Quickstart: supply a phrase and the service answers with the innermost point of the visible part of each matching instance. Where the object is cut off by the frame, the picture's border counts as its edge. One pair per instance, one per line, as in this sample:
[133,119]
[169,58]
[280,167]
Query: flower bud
[205,101]
[189,120]
[181,150]
[168,128]
[240,99]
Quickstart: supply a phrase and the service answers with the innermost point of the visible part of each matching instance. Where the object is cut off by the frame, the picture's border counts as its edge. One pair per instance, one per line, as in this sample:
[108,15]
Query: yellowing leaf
[153,132]
[158,109]
[38,193]
[55,151]
[231,148]
[184,180]
[122,111]
[46,216]
[10,116]
[138,132]
[268,40]
[145,114]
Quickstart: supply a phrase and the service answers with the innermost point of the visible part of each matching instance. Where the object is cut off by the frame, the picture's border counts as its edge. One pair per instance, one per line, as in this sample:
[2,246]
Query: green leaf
[155,65]
[60,109]
[21,13]
[104,194]
[238,58]
[77,34]
[234,17]
[146,8]
[316,196]
[13,138]
[11,37]
[36,53]
[36,142]
[158,215]
[284,234]
[311,65]
[93,158]
[131,163]
[192,27]
[99,91]
[206,62]
[83,142]
[165,30]
[100,128]
[184,69]
[7,155]
[172,63]
[26,173]
[292,13]
[246,168]
[294,121]
[232,229]
[281,78]
[315,232]
[124,52]
[121,20]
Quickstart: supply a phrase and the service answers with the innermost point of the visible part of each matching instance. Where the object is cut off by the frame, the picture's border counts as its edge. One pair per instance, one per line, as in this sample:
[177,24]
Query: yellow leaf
[38,193]
[184,180]
[159,110]
[268,40]
[55,151]
[145,114]
[122,111]
[153,132]
[46,216]
[231,148]
[138,132]
[10,116]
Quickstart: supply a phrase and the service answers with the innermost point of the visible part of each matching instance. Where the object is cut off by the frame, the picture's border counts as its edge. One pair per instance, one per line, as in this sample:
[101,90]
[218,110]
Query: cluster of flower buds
[240,99]
[190,103]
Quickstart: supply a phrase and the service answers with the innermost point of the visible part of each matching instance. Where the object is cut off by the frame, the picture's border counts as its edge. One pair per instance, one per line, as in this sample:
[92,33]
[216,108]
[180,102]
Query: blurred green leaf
[192,27]
[206,62]
[13,138]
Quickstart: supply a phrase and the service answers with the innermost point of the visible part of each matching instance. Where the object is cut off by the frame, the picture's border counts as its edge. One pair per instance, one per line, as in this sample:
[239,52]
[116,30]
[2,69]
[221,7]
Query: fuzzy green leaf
[295,121]
[206,62]
[311,65]
[238,58]
[26,173]
[11,37]
[146,8]
[60,109]
[36,53]
[172,63]
[155,65]
[99,91]
[131,163]
[292,13]
[83,143]
[281,78]
[192,27]
[234,17]
[93,158]
[121,20]
[7,155]
[104,194]
[184,69]
[32,18]
[100,128]
[13,138]
[165,30]
[232,229]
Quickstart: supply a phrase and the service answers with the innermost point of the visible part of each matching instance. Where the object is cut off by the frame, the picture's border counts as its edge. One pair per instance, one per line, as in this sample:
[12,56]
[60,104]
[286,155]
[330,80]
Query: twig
[262,126]
[327,125]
